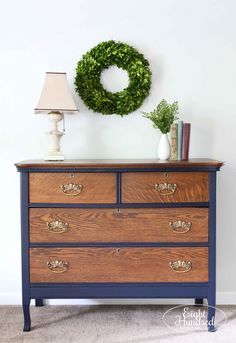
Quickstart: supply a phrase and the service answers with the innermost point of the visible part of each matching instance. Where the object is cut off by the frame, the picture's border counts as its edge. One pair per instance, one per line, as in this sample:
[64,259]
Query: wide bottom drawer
[125,264]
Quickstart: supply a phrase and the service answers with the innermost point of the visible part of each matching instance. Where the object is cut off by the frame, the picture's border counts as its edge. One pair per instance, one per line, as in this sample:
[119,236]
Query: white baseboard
[226,298]
[222,298]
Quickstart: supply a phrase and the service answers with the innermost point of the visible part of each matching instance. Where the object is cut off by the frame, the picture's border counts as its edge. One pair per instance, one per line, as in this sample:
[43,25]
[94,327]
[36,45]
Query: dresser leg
[211,314]
[198,301]
[39,302]
[27,320]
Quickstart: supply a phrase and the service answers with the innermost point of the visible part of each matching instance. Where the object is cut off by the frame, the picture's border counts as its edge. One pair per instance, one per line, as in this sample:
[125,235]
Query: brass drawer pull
[180,226]
[57,226]
[181,266]
[165,188]
[72,189]
[58,266]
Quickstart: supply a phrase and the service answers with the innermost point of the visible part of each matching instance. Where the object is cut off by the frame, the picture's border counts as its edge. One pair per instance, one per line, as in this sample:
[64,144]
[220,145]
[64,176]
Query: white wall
[191,46]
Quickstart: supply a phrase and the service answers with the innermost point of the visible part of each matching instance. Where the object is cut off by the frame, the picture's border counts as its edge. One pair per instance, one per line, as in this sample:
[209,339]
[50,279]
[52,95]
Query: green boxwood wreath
[88,78]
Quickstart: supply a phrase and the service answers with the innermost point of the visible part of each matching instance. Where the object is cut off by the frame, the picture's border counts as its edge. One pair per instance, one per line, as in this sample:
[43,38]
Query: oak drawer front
[72,188]
[156,187]
[118,225]
[118,264]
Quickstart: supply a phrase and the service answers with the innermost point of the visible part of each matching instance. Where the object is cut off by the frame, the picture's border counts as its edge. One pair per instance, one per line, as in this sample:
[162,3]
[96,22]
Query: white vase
[164,147]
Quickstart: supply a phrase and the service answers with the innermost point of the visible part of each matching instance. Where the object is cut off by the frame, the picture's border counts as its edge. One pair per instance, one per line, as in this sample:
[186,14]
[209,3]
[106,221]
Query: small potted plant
[162,117]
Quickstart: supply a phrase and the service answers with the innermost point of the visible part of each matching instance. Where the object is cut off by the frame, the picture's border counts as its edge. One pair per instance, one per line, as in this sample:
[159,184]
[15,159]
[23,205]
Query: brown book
[186,140]
[174,141]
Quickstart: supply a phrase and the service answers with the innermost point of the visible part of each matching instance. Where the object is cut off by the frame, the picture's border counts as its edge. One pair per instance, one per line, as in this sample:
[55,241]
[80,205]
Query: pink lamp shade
[56,95]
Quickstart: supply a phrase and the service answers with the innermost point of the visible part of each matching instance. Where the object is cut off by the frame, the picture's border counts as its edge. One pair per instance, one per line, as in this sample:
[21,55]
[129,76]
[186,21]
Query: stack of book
[179,140]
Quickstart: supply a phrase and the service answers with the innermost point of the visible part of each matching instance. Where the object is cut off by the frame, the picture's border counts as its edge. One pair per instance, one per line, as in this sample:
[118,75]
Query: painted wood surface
[101,263]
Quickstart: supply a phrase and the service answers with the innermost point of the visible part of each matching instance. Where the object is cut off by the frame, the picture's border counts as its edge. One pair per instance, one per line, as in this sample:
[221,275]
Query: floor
[107,324]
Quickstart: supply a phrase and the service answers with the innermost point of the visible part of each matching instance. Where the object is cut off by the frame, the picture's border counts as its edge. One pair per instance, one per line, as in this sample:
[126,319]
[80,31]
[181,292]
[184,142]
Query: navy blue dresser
[118,229]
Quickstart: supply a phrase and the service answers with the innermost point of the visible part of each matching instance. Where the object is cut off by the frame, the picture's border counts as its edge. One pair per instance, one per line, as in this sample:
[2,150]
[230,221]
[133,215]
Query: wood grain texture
[119,163]
[127,225]
[140,187]
[124,265]
[97,188]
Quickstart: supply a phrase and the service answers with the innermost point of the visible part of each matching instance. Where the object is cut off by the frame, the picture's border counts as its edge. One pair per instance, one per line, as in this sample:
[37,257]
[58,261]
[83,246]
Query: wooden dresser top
[119,163]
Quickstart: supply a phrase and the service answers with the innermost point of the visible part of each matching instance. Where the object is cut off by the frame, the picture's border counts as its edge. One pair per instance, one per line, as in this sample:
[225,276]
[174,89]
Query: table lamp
[55,99]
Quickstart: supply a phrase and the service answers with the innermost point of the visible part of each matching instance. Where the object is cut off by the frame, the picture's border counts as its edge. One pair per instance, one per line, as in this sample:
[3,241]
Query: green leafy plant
[88,78]
[163,115]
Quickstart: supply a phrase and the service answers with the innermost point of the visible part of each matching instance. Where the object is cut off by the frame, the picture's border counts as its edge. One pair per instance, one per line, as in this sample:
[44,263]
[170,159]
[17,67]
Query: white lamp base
[54,158]
[54,152]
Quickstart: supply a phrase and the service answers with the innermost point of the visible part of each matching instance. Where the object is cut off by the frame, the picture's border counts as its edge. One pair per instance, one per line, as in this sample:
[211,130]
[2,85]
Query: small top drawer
[72,188]
[159,187]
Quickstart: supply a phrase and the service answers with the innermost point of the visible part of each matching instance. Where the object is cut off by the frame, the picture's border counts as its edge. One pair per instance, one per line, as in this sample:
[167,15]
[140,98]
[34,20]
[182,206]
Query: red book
[186,139]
